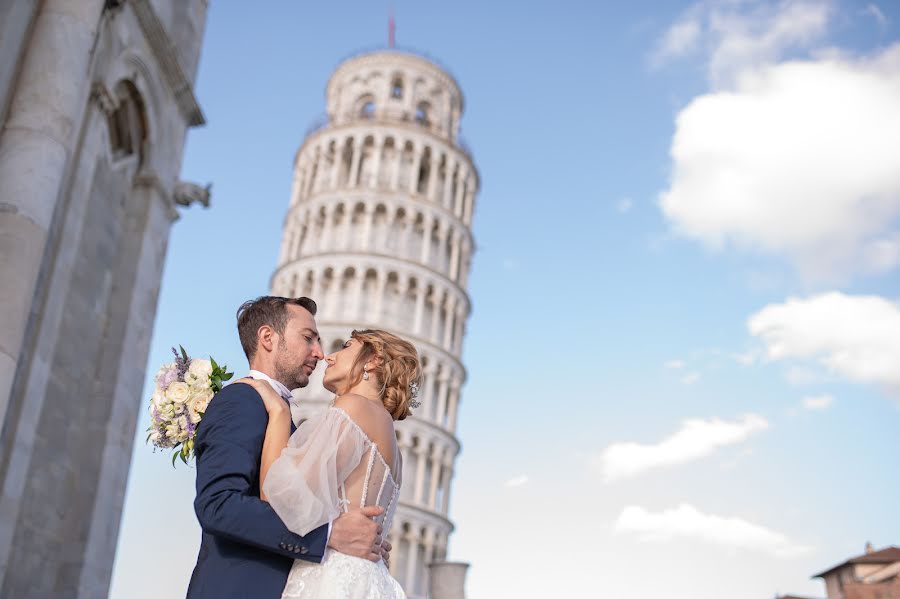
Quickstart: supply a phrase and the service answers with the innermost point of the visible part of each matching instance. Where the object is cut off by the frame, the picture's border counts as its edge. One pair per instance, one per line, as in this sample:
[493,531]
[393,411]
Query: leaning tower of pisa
[378,232]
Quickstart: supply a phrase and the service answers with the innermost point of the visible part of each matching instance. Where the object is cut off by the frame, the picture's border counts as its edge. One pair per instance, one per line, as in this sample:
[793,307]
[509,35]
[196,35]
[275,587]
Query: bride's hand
[273,402]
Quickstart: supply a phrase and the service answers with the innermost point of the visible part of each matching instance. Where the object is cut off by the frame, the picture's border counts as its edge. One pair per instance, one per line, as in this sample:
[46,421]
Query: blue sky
[684,292]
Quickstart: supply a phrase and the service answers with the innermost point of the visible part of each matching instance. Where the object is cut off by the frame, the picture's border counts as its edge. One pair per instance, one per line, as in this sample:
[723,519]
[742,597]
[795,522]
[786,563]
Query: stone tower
[378,232]
[95,102]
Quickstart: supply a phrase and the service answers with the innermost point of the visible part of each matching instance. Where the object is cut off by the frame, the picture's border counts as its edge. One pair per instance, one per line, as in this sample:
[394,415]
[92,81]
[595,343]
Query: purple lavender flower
[181,364]
[168,378]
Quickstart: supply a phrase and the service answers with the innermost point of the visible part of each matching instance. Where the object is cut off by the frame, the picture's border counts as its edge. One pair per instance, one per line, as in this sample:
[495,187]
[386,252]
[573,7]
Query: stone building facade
[378,232]
[872,575]
[95,101]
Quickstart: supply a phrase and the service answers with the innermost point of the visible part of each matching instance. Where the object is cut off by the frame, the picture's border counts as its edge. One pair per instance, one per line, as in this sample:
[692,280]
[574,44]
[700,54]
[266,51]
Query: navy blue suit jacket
[246,550]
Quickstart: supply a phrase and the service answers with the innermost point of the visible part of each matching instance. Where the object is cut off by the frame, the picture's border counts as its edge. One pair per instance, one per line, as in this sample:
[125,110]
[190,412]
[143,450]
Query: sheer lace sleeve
[303,483]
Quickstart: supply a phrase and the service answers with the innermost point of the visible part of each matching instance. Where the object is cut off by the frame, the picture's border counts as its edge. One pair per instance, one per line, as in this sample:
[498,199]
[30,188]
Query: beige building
[378,231]
[872,575]
[95,101]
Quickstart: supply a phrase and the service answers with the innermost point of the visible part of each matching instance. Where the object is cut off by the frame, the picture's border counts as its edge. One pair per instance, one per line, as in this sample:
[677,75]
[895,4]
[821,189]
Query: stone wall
[88,167]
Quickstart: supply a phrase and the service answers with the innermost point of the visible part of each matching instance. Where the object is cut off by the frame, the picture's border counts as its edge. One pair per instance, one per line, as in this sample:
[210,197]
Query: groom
[246,551]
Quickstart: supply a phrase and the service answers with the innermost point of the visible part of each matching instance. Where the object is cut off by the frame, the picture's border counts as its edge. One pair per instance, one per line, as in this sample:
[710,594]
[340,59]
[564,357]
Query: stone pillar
[449,318]
[416,166]
[442,398]
[380,289]
[35,144]
[446,475]
[454,256]
[368,217]
[409,576]
[451,416]
[376,163]
[435,313]
[336,164]
[420,306]
[421,458]
[467,208]
[432,179]
[428,225]
[460,190]
[395,168]
[436,467]
[353,177]
[448,185]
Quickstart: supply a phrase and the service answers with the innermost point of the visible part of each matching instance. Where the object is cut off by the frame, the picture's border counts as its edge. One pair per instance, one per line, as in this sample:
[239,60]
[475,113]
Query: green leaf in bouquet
[175,455]
[213,362]
[227,376]
[183,353]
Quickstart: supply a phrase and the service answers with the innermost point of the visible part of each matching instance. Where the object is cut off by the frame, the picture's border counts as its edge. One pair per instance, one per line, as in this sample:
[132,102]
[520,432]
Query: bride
[347,456]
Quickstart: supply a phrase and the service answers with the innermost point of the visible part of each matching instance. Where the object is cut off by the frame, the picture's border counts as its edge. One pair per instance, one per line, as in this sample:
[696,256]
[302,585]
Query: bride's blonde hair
[397,369]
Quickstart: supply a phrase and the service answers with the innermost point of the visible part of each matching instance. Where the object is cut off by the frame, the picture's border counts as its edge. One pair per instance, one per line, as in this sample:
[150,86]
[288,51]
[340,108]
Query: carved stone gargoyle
[186,193]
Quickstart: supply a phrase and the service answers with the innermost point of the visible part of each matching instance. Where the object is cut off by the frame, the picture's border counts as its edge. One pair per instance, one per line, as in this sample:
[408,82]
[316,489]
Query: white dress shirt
[285,393]
[280,389]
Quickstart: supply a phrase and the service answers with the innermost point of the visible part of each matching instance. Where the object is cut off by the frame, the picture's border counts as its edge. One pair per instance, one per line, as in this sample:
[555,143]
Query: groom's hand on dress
[355,533]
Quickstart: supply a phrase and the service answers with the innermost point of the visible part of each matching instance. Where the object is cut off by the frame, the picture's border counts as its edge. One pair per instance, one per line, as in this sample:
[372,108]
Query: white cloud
[857,337]
[749,39]
[818,402]
[624,205]
[687,522]
[680,39]
[690,378]
[740,35]
[695,439]
[800,159]
[873,11]
[516,481]
[674,364]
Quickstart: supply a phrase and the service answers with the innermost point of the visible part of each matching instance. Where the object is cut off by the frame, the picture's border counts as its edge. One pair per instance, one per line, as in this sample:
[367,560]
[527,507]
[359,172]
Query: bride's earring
[365,374]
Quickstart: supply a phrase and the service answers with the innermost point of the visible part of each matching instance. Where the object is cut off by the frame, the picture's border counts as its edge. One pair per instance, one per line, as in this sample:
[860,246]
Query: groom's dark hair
[270,310]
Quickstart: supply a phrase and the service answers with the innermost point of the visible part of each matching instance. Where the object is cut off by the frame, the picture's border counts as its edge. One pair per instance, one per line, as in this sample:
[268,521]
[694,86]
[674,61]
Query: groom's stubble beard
[288,371]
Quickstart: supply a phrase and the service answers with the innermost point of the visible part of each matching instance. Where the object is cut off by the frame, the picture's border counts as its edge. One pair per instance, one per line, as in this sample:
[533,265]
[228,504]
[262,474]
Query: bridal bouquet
[183,390]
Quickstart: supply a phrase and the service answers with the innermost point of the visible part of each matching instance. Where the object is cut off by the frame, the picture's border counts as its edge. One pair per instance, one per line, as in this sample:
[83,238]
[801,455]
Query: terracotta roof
[888,555]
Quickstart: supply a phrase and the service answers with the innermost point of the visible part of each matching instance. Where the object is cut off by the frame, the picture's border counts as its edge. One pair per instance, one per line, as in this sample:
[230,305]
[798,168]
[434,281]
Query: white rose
[178,392]
[200,400]
[200,369]
[159,398]
[192,412]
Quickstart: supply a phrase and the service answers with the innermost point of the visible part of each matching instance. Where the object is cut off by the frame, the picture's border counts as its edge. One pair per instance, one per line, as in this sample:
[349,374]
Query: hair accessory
[413,394]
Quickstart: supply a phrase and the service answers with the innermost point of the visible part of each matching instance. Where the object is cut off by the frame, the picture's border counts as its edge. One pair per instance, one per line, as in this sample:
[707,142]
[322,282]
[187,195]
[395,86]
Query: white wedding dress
[330,464]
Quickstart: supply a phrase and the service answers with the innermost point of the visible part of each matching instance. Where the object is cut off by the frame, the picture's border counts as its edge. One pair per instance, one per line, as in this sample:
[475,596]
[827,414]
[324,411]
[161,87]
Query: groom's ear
[265,338]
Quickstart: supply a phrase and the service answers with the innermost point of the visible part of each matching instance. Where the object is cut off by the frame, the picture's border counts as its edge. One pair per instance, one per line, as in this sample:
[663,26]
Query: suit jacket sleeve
[228,447]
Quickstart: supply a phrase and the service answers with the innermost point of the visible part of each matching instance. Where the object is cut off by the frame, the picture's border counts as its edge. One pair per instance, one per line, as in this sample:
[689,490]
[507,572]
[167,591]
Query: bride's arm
[278,430]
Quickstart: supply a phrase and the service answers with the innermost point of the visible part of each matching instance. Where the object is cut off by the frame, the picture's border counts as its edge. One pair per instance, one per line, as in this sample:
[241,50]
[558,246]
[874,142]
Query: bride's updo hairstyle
[396,371]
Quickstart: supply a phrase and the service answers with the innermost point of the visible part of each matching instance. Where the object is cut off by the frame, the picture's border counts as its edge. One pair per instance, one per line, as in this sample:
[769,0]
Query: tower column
[421,459]
[353,178]
[436,466]
[416,166]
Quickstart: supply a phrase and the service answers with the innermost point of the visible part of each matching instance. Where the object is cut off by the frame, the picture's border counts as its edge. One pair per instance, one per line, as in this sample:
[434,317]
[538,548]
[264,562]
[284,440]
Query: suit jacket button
[304,550]
[281,545]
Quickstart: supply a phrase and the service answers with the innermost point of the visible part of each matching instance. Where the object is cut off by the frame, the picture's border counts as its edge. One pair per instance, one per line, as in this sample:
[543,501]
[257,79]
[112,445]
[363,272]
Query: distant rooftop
[888,555]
